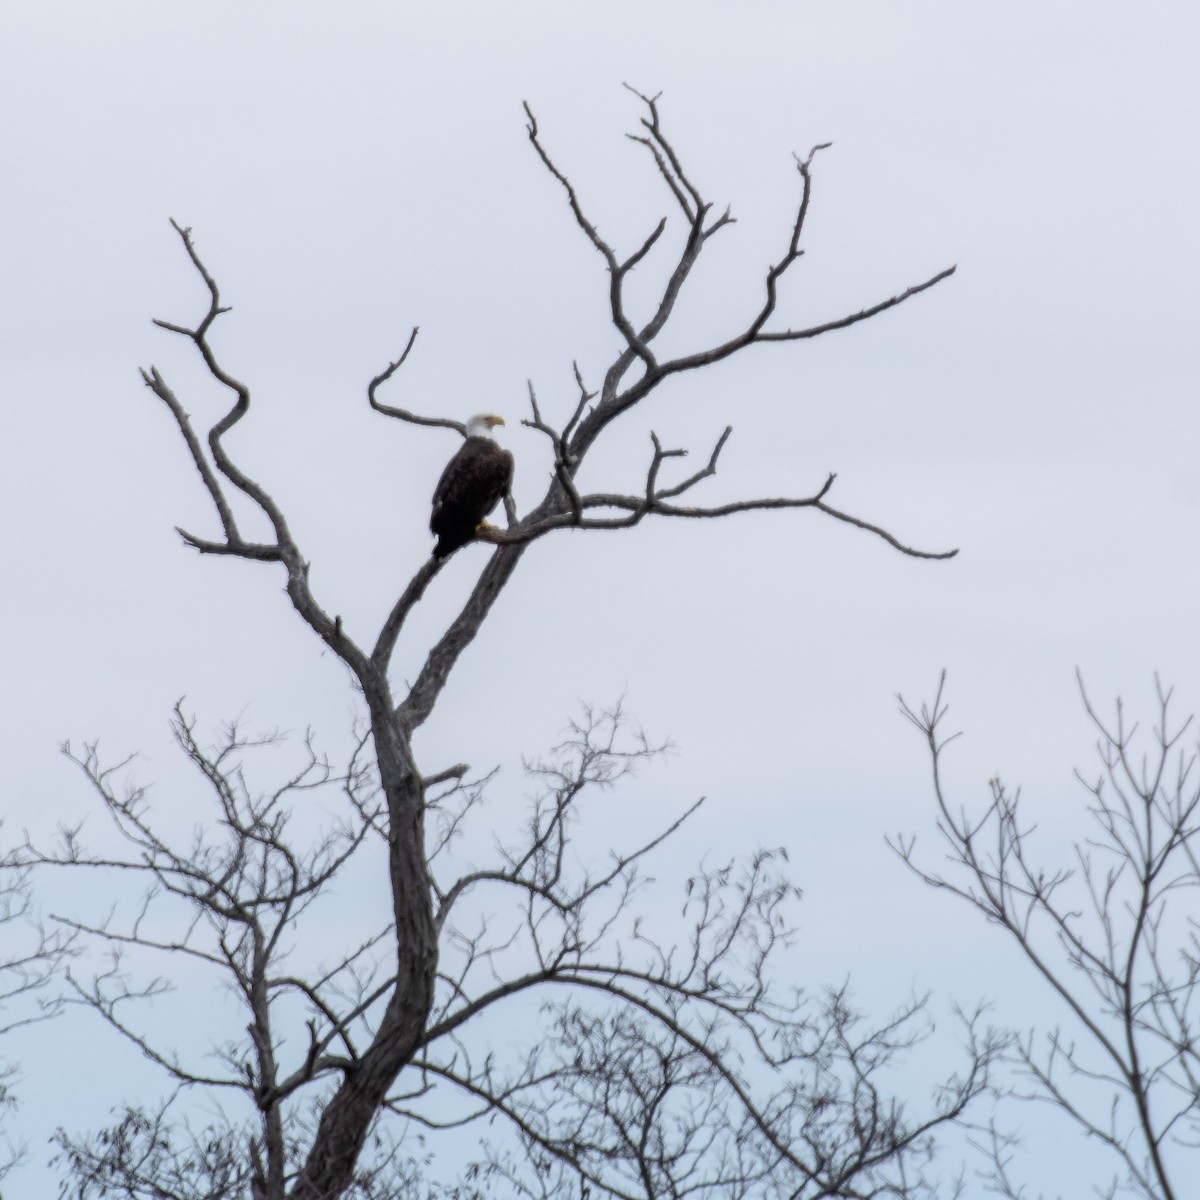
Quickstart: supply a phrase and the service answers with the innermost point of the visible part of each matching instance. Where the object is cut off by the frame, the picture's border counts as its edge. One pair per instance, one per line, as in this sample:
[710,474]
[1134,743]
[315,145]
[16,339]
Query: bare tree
[1114,937]
[669,1064]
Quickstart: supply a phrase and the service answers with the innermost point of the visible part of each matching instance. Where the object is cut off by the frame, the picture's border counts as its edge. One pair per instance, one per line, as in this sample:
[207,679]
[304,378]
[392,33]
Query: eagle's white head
[482,424]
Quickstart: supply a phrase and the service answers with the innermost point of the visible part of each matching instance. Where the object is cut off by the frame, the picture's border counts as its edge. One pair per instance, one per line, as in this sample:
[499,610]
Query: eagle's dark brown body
[472,484]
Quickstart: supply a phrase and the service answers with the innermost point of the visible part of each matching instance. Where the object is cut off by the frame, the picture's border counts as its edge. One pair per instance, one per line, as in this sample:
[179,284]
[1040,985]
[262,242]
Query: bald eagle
[472,485]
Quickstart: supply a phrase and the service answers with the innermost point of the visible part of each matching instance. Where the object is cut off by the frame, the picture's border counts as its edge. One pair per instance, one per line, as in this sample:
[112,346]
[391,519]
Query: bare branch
[864,314]
[704,472]
[408,600]
[563,463]
[667,160]
[155,382]
[402,414]
[616,271]
[652,503]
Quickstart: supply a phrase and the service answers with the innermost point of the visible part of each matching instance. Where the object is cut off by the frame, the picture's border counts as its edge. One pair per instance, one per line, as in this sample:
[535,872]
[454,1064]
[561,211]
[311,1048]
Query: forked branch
[218,465]
[656,501]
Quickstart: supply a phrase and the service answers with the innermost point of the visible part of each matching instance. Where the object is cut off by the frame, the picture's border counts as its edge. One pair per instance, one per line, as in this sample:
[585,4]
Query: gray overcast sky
[350,171]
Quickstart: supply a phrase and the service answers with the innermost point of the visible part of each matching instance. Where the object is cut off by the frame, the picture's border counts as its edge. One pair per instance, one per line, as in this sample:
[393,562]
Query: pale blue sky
[351,173]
